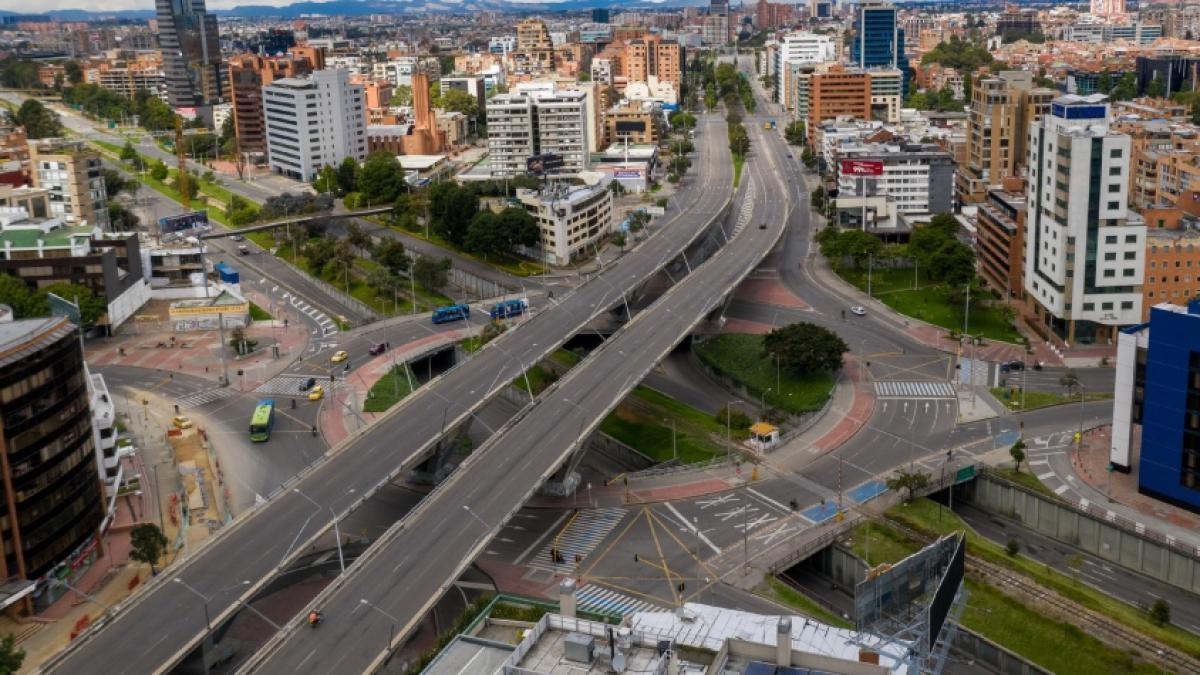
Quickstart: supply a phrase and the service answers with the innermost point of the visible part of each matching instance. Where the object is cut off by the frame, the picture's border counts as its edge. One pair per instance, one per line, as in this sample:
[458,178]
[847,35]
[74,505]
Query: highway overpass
[156,628]
[385,595]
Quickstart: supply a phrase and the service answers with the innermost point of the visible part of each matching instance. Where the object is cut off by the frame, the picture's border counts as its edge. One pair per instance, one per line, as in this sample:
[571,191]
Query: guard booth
[764,436]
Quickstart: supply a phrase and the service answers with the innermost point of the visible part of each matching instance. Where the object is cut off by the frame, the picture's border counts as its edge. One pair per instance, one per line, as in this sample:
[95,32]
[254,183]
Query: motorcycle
[315,618]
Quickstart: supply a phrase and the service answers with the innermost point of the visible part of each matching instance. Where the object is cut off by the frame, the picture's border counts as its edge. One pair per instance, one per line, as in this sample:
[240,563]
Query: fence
[1092,528]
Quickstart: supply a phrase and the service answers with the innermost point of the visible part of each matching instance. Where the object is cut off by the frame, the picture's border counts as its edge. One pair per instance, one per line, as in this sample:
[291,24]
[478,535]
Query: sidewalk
[196,353]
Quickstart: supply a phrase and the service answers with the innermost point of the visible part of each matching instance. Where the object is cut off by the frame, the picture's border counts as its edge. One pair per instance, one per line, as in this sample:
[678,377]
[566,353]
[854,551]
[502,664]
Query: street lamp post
[392,630]
[476,517]
[204,598]
[336,533]
[762,404]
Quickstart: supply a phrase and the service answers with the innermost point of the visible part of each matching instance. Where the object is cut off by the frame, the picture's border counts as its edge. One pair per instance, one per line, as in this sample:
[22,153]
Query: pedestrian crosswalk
[201,398]
[601,600]
[581,536]
[892,389]
[747,207]
[288,385]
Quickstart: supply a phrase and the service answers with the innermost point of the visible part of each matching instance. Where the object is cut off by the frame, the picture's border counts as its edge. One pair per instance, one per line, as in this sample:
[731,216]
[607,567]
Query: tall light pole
[391,633]
[762,404]
[336,533]
[674,447]
[207,620]
[476,517]
[729,429]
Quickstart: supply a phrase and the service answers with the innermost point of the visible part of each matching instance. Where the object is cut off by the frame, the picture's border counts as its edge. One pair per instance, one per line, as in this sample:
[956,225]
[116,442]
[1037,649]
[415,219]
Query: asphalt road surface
[407,572]
[264,538]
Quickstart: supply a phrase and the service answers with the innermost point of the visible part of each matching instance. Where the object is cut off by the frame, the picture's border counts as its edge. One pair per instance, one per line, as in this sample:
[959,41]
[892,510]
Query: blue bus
[451,313]
[262,421]
[509,308]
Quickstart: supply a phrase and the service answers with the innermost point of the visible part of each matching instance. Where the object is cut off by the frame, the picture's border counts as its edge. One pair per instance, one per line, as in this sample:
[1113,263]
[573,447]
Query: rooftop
[20,339]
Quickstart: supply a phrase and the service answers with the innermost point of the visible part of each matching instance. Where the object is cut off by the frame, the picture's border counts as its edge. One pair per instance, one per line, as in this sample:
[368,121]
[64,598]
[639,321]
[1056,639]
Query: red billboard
[858,167]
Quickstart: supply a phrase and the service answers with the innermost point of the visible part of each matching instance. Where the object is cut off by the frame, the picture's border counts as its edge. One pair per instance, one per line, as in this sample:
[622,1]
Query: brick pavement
[863,403]
[743,326]
[768,290]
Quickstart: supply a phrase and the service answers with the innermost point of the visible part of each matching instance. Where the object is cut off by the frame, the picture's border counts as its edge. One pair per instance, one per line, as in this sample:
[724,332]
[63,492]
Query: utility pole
[221,349]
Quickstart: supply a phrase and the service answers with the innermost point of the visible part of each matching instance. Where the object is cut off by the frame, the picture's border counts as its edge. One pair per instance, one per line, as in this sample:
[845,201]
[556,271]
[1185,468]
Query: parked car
[379,348]
[858,310]
[308,384]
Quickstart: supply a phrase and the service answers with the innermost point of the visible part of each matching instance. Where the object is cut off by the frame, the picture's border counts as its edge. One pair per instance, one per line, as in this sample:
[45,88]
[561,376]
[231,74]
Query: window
[1114,171]
[1114,188]
[1110,273]
[1089,306]
[1110,239]
[1131,255]
[1115,153]
[1127,272]
[1131,239]
[1114,205]
[1127,304]
[1111,255]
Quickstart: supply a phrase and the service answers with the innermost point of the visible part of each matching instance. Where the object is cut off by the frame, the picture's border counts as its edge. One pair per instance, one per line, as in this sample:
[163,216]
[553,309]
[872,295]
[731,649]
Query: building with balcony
[1002,107]
[314,121]
[1000,238]
[70,170]
[52,518]
[248,74]
[536,119]
[1172,266]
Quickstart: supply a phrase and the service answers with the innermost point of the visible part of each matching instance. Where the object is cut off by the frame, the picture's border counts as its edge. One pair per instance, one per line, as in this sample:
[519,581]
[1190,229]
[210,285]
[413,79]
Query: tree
[909,481]
[817,198]
[451,209]
[38,120]
[1070,382]
[120,218]
[73,71]
[114,182]
[805,348]
[431,273]
[380,179]
[1017,452]
[860,246]
[1126,88]
[343,256]
[1075,564]
[519,227]
[128,153]
[953,263]
[795,133]
[148,544]
[326,180]
[1160,612]
[483,234]
[358,238]
[158,170]
[347,175]
[11,656]
[1156,87]
[91,306]
[1013,547]
[402,95]
[739,140]
[320,252]
[25,303]
[457,100]
[390,254]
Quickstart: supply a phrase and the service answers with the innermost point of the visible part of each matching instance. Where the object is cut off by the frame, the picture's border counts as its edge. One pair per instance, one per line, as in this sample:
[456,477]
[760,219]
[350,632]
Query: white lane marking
[690,526]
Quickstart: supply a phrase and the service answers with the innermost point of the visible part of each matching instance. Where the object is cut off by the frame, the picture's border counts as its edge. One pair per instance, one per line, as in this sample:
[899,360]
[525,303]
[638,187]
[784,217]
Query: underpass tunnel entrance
[428,367]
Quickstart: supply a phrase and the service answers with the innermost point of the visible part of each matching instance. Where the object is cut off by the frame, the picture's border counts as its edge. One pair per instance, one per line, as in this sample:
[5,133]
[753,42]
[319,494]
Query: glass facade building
[879,41]
[53,504]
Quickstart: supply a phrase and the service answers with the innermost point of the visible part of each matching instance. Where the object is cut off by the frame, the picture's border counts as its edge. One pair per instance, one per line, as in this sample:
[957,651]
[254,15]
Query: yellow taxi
[339,356]
[181,422]
[316,393]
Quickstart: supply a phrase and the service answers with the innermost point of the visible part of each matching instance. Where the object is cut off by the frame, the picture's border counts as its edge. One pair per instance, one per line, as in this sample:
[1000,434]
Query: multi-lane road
[265,537]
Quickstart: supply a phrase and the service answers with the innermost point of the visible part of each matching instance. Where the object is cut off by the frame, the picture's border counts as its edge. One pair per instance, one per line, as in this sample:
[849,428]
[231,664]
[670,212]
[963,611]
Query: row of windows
[1105,306]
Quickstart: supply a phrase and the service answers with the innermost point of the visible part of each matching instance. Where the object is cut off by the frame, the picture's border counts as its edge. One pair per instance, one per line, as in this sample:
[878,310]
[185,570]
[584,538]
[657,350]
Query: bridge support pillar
[566,480]
[444,458]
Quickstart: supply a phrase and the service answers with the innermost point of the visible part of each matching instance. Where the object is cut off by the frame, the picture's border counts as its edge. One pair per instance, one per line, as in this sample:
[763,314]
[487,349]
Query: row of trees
[27,302]
[935,247]
[152,113]
[38,120]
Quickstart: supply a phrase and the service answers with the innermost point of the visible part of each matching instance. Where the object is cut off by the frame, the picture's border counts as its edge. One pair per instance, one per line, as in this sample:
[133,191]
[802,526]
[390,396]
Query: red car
[379,348]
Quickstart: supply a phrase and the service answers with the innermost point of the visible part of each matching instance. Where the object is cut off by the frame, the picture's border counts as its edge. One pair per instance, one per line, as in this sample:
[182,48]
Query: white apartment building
[572,219]
[534,120]
[602,71]
[314,121]
[801,48]
[398,71]
[502,44]
[1084,260]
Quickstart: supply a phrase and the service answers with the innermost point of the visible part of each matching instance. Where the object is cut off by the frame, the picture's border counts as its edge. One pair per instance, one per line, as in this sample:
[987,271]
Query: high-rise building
[879,40]
[55,503]
[1003,105]
[535,48]
[191,53]
[313,121]
[538,119]
[70,170]
[799,47]
[1157,386]
[835,93]
[1084,249]
[715,29]
[1108,8]
[600,15]
[248,74]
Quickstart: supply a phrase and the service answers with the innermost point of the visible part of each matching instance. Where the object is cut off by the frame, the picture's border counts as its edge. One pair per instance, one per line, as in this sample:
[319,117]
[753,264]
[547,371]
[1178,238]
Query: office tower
[879,41]
[314,121]
[191,53]
[1003,105]
[248,74]
[600,15]
[1083,248]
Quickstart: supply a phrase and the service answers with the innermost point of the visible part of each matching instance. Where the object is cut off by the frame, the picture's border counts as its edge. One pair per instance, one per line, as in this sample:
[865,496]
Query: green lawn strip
[258,313]
[537,377]
[566,357]
[780,592]
[389,389]
[1012,397]
[1055,645]
[684,414]
[738,163]
[932,303]
[738,356]
[643,422]
[1026,479]
[1005,620]
[922,515]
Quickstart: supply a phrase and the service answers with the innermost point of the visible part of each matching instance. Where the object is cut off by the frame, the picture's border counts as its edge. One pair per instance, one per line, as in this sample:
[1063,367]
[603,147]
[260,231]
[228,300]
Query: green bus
[262,421]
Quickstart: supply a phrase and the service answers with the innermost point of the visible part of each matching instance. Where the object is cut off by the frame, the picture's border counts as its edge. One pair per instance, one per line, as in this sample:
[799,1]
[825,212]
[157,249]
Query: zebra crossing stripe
[201,398]
[581,537]
[922,389]
[599,599]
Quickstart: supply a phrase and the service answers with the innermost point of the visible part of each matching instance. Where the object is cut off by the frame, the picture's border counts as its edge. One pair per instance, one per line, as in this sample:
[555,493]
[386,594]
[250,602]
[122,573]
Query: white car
[858,310]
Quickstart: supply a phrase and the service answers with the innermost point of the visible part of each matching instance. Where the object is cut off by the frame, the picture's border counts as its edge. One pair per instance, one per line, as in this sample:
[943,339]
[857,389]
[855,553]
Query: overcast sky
[116,5]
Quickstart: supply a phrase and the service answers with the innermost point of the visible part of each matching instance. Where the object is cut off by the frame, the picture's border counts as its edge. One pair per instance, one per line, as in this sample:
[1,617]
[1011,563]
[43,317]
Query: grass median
[1012,398]
[390,389]
[918,296]
[738,356]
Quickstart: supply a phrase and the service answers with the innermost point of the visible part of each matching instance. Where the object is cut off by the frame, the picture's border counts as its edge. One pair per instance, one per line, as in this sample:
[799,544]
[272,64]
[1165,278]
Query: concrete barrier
[1092,528]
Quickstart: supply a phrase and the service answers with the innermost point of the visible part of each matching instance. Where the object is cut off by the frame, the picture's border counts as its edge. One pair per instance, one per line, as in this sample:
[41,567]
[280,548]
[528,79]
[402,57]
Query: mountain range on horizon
[367,7]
